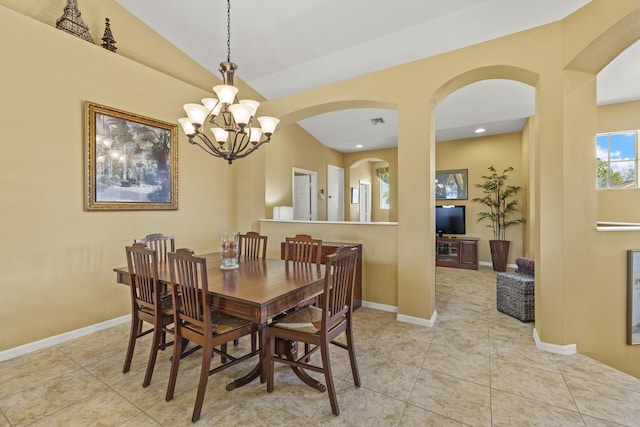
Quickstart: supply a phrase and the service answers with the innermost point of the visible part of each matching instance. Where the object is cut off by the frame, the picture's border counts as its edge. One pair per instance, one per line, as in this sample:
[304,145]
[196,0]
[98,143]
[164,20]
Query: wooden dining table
[258,290]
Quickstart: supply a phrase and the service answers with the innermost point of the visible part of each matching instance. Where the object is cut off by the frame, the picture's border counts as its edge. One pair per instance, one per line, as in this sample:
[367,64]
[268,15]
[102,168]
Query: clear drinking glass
[229,252]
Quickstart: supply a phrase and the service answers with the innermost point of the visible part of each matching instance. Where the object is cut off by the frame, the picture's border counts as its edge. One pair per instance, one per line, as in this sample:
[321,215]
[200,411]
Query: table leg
[289,349]
[259,370]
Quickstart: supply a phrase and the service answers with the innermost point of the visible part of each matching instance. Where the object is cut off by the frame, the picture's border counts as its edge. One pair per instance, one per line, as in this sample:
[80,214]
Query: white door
[305,205]
[301,197]
[365,201]
[335,193]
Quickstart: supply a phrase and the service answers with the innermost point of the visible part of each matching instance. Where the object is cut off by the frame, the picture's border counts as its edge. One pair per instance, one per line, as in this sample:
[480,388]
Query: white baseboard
[59,339]
[381,307]
[418,320]
[564,350]
[402,317]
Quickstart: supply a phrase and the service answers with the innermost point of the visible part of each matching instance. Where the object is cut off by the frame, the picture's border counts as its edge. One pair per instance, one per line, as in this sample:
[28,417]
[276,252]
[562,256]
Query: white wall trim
[382,307]
[59,339]
[401,317]
[564,350]
[418,320]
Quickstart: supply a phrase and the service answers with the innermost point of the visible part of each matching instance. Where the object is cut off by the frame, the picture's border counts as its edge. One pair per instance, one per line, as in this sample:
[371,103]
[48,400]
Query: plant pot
[499,254]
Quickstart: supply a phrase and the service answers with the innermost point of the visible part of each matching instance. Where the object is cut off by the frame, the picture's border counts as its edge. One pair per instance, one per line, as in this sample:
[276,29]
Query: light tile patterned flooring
[476,367]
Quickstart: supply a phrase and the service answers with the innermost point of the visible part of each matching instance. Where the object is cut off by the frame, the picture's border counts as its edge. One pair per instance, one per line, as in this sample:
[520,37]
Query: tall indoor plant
[502,206]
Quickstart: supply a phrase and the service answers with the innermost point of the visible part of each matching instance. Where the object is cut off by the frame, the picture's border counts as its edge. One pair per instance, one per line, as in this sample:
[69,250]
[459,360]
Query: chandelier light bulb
[251,104]
[226,93]
[268,124]
[197,113]
[213,105]
[187,126]
[254,135]
[220,134]
[241,114]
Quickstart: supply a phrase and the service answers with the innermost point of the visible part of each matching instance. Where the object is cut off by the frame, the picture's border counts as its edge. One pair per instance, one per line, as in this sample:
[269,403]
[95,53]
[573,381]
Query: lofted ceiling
[288,46]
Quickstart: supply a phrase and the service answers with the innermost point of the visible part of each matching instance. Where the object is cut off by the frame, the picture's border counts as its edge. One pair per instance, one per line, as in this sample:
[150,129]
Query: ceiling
[288,46]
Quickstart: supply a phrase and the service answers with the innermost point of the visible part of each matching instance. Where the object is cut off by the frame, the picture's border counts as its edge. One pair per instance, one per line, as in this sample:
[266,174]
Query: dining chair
[303,248]
[161,243]
[319,326]
[147,305]
[196,321]
[252,245]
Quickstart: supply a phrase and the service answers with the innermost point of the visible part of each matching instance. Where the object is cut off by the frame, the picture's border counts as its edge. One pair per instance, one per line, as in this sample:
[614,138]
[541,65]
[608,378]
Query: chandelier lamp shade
[234,131]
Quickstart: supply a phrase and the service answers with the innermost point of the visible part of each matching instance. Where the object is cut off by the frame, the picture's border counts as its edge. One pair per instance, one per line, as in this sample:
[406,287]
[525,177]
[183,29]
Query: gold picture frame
[633,296]
[131,161]
[452,184]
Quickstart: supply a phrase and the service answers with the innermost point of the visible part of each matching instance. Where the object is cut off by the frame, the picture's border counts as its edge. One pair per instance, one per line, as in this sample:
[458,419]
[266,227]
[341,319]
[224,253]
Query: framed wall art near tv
[633,296]
[131,161]
[452,184]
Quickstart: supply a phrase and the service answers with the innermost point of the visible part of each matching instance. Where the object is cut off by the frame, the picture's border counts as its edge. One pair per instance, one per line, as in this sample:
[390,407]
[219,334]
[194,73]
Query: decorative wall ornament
[71,22]
[108,42]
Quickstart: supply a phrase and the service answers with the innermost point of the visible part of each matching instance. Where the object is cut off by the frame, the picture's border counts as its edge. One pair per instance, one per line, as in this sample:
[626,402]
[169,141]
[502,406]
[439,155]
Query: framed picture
[452,184]
[355,195]
[132,161]
[633,296]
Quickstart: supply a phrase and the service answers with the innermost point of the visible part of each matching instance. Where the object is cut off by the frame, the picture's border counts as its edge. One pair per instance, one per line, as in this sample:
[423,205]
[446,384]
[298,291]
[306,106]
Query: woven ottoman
[515,296]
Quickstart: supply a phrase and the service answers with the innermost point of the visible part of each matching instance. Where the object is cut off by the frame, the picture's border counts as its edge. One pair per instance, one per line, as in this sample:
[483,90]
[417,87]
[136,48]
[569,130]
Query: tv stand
[457,252]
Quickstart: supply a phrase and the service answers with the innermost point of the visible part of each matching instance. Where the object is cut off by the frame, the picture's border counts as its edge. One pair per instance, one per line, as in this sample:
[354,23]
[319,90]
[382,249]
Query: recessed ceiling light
[359,146]
[480,130]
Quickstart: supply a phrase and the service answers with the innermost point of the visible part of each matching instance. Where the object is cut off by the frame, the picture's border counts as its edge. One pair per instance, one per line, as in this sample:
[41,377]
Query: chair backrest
[303,248]
[161,243]
[143,268]
[340,274]
[189,289]
[252,245]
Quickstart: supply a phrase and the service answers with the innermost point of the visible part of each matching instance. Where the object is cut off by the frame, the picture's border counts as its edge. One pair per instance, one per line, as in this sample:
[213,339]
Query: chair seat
[222,323]
[306,319]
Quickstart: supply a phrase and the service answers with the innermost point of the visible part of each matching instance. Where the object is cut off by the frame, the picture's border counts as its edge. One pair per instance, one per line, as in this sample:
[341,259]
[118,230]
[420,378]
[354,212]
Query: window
[617,160]
[383,179]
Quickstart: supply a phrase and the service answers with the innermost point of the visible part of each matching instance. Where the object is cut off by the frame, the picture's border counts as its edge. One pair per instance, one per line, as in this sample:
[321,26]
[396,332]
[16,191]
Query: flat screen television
[450,219]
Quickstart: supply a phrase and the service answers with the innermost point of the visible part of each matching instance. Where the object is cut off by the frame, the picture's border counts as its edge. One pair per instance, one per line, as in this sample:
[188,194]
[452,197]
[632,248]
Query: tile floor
[476,367]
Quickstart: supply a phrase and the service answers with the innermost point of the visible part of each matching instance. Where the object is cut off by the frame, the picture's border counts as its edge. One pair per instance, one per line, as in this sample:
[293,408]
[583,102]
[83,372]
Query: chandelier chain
[228,30]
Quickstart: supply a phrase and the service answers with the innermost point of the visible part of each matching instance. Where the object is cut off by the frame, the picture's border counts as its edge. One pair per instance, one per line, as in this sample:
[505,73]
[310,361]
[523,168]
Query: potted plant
[499,199]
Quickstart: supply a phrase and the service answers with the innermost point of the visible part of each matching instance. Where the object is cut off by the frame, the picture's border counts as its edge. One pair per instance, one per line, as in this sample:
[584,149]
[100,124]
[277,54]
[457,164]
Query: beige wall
[580,273]
[57,259]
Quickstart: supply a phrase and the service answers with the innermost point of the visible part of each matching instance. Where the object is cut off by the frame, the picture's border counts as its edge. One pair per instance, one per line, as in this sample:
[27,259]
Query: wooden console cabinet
[330,247]
[457,252]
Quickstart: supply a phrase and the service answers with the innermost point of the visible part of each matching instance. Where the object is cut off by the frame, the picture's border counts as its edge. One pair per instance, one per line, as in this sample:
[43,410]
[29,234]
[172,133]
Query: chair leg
[155,345]
[223,348]
[352,356]
[175,362]
[270,352]
[331,389]
[207,353]
[133,334]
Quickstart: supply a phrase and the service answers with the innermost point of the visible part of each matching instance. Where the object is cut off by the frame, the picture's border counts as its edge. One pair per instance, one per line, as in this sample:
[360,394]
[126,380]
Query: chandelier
[235,134]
